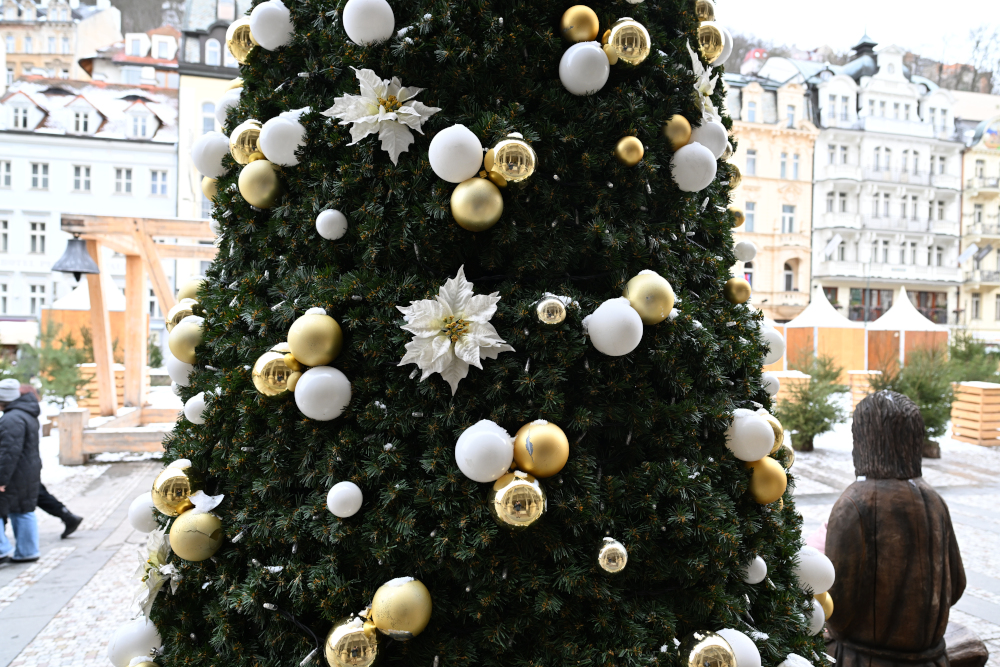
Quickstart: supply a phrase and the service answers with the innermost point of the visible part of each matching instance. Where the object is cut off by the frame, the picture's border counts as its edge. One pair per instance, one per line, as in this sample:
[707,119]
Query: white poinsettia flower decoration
[154,571]
[704,86]
[384,106]
[452,332]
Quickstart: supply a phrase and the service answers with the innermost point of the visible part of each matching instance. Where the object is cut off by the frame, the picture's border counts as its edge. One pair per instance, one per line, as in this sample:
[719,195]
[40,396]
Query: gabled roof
[903,316]
[820,313]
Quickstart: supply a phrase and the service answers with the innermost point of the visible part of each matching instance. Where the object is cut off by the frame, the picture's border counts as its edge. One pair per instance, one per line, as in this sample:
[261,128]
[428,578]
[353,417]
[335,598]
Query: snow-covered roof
[79,298]
[819,313]
[903,316]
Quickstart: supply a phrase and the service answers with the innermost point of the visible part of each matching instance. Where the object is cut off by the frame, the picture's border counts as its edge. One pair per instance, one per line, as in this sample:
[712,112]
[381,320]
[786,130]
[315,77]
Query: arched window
[748,272]
[207,117]
[213,52]
[789,278]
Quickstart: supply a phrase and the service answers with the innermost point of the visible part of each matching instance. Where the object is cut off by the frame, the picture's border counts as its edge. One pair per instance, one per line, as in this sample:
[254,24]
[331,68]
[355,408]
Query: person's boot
[71,521]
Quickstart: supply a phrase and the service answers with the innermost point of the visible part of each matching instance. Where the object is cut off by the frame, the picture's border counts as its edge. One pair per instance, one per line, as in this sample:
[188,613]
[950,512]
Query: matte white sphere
[750,438]
[771,383]
[727,44]
[368,21]
[615,328]
[712,135]
[455,154]
[745,251]
[194,408]
[815,618]
[213,224]
[271,25]
[584,68]
[484,451]
[140,513]
[179,371]
[322,393]
[176,388]
[755,572]
[693,167]
[207,154]
[814,570]
[331,224]
[344,499]
[745,650]
[775,343]
[229,99]
[279,138]
[132,639]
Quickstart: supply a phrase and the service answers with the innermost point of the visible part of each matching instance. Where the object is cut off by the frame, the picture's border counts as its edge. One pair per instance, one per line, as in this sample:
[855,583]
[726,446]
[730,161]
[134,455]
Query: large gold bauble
[629,151]
[270,374]
[181,309]
[189,289]
[738,216]
[243,140]
[789,455]
[541,448]
[196,536]
[210,188]
[259,184]
[517,501]
[826,602]
[677,130]
[513,159]
[768,482]
[349,644]
[779,430]
[629,39]
[735,177]
[612,556]
[476,204]
[579,24]
[736,290]
[651,296]
[706,649]
[172,490]
[315,340]
[550,311]
[239,40]
[401,609]
[710,41]
[183,340]
[705,10]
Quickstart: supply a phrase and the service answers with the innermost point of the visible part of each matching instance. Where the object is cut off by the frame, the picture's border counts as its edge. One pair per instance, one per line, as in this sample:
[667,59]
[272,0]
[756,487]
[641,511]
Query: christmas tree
[524,379]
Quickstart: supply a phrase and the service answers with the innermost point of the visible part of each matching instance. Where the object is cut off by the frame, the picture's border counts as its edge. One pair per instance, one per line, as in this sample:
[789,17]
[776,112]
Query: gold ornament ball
[239,39]
[612,556]
[518,500]
[738,216]
[350,644]
[270,374]
[541,448]
[476,204]
[727,152]
[735,178]
[779,430]
[611,54]
[210,188]
[401,609]
[736,290]
[768,482]
[706,649]
[629,151]
[259,184]
[181,309]
[243,140]
[629,39]
[710,41]
[789,455]
[293,379]
[315,340]
[172,490]
[705,10]
[293,363]
[651,296]
[189,289]
[826,602]
[196,536]
[145,664]
[512,159]
[677,131]
[183,340]
[551,311]
[579,24]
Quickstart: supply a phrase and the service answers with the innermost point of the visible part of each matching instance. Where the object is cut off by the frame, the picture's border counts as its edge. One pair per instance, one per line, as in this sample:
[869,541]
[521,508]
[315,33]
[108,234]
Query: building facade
[141,59]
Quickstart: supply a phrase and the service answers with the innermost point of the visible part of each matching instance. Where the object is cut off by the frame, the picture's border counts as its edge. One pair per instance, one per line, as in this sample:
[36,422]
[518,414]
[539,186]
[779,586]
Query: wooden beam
[158,416]
[136,331]
[101,335]
[96,441]
[170,251]
[117,242]
[150,255]
[104,224]
[71,424]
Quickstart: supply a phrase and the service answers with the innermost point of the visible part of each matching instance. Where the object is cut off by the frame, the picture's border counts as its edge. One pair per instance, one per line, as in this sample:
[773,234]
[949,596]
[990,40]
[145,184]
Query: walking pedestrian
[20,472]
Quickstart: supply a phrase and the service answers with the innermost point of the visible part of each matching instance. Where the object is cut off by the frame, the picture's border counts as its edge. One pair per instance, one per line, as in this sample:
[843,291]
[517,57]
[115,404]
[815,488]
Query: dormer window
[81,122]
[20,118]
[162,49]
[139,126]
[135,47]
[891,68]
[212,52]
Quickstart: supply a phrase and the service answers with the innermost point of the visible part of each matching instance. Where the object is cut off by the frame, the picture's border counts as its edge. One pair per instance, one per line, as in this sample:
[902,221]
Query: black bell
[76,259]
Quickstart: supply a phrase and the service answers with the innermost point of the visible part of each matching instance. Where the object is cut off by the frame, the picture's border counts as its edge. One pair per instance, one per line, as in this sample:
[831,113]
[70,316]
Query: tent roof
[903,316]
[819,313]
[79,298]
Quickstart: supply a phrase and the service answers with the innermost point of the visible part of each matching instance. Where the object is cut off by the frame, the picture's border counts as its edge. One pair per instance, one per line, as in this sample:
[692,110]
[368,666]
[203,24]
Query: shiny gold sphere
[612,556]
[270,374]
[789,455]
[513,159]
[579,24]
[779,431]
[651,296]
[172,490]
[541,448]
[735,177]
[239,40]
[736,290]
[315,340]
[235,83]
[550,311]
[826,602]
[705,10]
[630,40]
[210,188]
[243,140]
[710,41]
[706,649]
[189,289]
[181,309]
[196,536]
[629,151]
[738,216]
[476,204]
[768,482]
[401,609]
[727,152]
[183,340]
[293,363]
[611,54]
[145,664]
[259,184]
[677,131]
[293,379]
[517,501]
[349,644]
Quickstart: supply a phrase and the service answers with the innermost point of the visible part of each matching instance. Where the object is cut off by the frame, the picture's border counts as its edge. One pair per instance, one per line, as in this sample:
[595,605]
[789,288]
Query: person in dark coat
[20,472]
[890,537]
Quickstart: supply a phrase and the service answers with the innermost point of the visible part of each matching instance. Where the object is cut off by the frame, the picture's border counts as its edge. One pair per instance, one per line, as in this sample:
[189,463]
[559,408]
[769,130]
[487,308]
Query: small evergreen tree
[813,407]
[925,379]
[53,366]
[969,360]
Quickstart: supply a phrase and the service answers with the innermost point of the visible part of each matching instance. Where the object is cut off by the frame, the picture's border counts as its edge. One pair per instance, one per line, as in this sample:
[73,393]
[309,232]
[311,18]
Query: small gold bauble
[259,184]
[612,556]
[210,188]
[779,431]
[512,158]
[541,448]
[651,296]
[189,289]
[735,178]
[551,311]
[270,374]
[789,454]
[239,40]
[629,151]
[183,340]
[349,644]
[826,602]
[705,10]
[172,490]
[145,664]
[517,501]
[181,309]
[630,40]
[476,204]
[401,608]
[738,216]
[293,363]
[235,83]
[706,649]
[196,536]
[677,131]
[293,379]
[243,140]
[736,290]
[579,24]
[768,482]
[496,179]
[315,340]
[710,41]
[611,54]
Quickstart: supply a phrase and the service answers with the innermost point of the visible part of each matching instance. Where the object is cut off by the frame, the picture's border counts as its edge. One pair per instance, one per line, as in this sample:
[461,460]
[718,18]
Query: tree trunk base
[803,445]
[932,450]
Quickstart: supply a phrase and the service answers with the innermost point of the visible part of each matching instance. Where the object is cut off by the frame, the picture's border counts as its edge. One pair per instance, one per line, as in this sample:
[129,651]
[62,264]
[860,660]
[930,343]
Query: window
[841,251]
[977,213]
[37,293]
[933,116]
[885,252]
[996,308]
[81,121]
[134,47]
[784,165]
[20,118]
[895,110]
[941,163]
[878,158]
[829,202]
[902,254]
[52,45]
[938,255]
[207,117]
[28,46]
[748,272]
[790,115]
[212,52]
[875,207]
[902,209]
[10,74]
[833,106]
[881,109]
[65,46]
[751,214]
[37,238]
[139,125]
[906,112]
[885,204]
[789,277]
[916,162]
[888,159]
[906,160]
[123,181]
[10,44]
[980,168]
[843,202]
[944,119]
[913,207]
[5,174]
[843,107]
[751,162]
[158,182]
[843,155]
[787,219]
[3,236]
[162,50]
[940,210]
[795,167]
[913,252]
[81,178]
[874,252]
[871,107]
[832,153]
[976,298]
[64,74]
[3,298]
[751,112]
[39,176]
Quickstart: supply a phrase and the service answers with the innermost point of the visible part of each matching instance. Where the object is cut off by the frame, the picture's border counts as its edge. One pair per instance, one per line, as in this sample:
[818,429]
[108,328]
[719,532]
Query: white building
[141,59]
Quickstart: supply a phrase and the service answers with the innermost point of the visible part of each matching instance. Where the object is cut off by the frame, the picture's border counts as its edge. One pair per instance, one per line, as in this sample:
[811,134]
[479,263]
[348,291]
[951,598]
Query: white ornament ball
[271,25]
[712,135]
[280,137]
[194,409]
[322,393]
[815,618]
[749,438]
[615,328]
[179,371]
[584,68]
[814,570]
[745,650]
[771,383]
[140,513]
[229,99]
[455,154]
[745,251]
[755,571]
[727,44]
[484,451]
[368,21]
[331,224]
[775,344]
[176,388]
[207,154]
[344,499]
[693,167]
[132,639]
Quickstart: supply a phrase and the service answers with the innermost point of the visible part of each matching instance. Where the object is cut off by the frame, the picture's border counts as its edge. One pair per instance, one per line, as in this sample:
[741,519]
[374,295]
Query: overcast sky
[936,30]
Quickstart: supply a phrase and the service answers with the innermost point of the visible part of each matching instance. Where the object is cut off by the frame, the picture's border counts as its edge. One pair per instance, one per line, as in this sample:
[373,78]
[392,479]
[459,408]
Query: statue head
[888,435]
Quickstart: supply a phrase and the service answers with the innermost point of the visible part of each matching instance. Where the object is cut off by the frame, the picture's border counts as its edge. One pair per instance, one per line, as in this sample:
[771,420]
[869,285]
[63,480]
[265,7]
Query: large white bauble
[207,154]
[584,68]
[140,513]
[368,21]
[322,393]
[229,99]
[815,618]
[755,572]
[745,650]
[727,44]
[344,499]
[615,328]
[484,451]
[814,570]
[132,639]
[194,408]
[693,167]
[271,25]
[712,135]
[750,438]
[331,224]
[775,343]
[455,154]
[179,371]
[745,251]
[280,137]
[771,383]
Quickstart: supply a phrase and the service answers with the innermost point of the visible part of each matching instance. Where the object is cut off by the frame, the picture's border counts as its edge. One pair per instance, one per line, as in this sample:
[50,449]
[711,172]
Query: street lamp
[76,259]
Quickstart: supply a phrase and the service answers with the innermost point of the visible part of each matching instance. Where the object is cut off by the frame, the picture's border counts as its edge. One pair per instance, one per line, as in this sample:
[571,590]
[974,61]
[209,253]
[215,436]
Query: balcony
[837,220]
[946,181]
[899,176]
[982,229]
[913,226]
[845,171]
[980,277]
[982,186]
[895,272]
[914,128]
